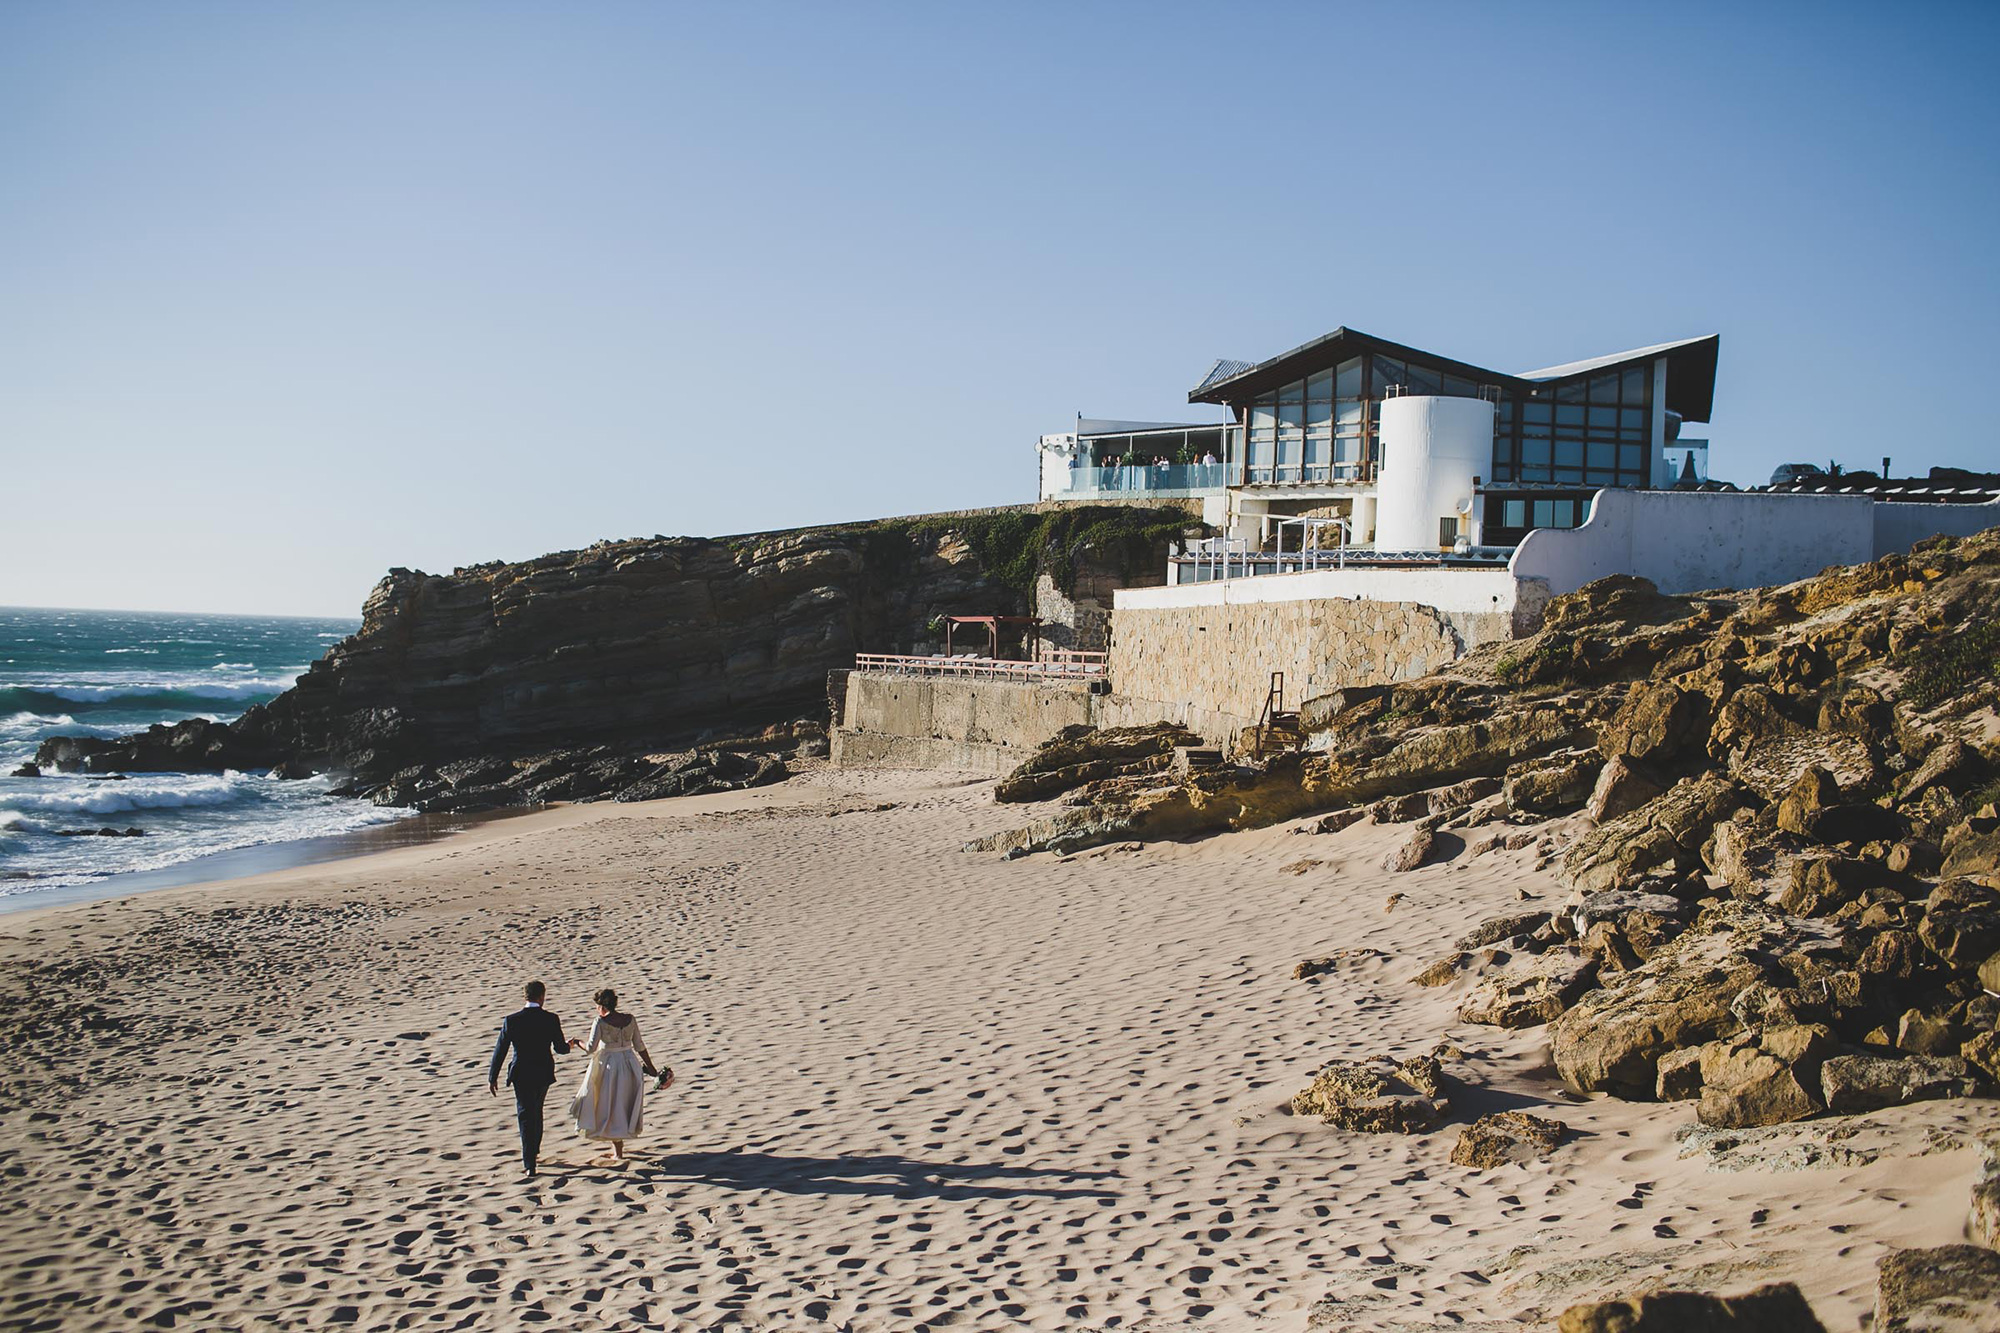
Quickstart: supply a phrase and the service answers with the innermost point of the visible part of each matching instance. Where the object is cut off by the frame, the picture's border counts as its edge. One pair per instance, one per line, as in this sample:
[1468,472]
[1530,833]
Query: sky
[292,293]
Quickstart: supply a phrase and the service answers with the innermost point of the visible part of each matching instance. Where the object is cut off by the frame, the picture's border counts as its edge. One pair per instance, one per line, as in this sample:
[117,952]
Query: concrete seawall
[887,720]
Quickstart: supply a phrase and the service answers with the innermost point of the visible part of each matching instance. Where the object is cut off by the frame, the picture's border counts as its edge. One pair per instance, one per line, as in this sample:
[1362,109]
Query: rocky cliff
[628,647]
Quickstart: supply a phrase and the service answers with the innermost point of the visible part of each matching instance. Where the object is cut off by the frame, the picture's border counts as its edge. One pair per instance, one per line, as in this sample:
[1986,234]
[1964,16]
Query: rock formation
[1785,875]
[574,667]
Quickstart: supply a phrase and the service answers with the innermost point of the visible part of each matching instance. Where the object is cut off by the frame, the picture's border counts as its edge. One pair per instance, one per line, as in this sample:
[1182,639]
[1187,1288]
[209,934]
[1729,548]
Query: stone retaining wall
[1216,661]
[888,720]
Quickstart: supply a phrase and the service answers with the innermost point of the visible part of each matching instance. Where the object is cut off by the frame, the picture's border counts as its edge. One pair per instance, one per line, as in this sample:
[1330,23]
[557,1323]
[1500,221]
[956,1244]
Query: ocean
[104,673]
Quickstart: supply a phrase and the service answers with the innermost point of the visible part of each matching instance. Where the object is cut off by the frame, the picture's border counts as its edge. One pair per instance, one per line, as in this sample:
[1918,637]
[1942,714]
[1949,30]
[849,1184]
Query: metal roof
[1690,369]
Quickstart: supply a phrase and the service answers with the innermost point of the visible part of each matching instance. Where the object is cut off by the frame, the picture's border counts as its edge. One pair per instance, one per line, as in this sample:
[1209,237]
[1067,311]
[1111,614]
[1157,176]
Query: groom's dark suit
[536,1037]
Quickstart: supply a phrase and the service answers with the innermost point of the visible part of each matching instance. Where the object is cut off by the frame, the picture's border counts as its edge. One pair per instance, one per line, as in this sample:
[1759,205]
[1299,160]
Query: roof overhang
[1690,372]
[1690,369]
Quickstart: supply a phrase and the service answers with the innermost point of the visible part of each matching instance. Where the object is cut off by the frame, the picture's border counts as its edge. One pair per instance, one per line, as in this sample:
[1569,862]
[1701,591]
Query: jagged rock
[1668,831]
[1777,1308]
[1821,884]
[1400,809]
[1377,1095]
[1530,990]
[1972,847]
[1612,1039]
[1951,764]
[1948,1289]
[1896,955]
[1814,791]
[1983,1053]
[1922,1033]
[27,771]
[1982,1221]
[1411,851]
[1764,1078]
[1507,1137]
[1549,785]
[1620,788]
[1989,974]
[1961,923]
[1657,723]
[1334,822]
[1309,968]
[1080,754]
[1914,856]
[1497,928]
[1645,922]
[1856,1083]
[1679,1076]
[1443,972]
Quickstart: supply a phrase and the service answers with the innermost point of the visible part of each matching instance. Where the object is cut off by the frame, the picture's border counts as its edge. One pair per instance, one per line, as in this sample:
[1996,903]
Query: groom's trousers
[528,1099]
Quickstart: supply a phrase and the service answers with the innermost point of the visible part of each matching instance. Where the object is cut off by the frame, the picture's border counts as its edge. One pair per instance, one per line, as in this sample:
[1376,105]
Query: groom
[537,1038]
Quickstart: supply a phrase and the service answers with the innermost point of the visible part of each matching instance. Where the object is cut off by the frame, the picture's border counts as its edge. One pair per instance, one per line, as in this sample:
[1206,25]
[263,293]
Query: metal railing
[1061,665]
[1138,480]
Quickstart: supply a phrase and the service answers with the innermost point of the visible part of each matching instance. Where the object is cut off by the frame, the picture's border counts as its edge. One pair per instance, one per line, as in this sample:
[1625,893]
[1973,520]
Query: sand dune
[917,1089]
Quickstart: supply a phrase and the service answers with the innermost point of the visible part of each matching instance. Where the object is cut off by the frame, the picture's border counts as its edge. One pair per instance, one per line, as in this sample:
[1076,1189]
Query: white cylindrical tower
[1433,449]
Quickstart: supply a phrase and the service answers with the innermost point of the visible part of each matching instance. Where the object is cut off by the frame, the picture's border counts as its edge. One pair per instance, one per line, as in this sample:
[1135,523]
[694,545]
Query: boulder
[1822,884]
[1668,831]
[1983,1053]
[1961,923]
[1951,764]
[1923,1033]
[1334,822]
[1851,1084]
[1494,929]
[1947,1289]
[1377,1095]
[1894,955]
[1507,1137]
[1989,974]
[1680,1076]
[1620,788]
[1400,809]
[1812,792]
[1612,1039]
[1644,922]
[1079,754]
[1764,1078]
[1972,847]
[1531,989]
[1410,852]
[1914,856]
[1658,723]
[1551,784]
[26,771]
[1777,1308]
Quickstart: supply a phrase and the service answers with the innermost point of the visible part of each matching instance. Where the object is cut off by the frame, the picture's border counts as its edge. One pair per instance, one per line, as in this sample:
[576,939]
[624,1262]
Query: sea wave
[88,796]
[167,696]
[40,726]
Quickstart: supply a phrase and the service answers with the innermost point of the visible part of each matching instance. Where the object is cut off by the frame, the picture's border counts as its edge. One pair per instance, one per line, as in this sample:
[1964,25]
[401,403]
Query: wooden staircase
[1277,728]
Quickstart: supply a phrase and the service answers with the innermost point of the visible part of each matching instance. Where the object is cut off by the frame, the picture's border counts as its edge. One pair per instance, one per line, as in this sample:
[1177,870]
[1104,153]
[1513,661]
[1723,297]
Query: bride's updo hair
[606,999]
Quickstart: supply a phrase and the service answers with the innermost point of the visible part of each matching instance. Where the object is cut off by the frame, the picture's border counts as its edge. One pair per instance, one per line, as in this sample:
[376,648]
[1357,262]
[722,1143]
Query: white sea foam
[94,796]
[234,666]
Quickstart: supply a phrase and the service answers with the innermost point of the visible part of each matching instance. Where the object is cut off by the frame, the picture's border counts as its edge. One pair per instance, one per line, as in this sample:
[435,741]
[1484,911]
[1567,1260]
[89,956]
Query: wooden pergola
[992,624]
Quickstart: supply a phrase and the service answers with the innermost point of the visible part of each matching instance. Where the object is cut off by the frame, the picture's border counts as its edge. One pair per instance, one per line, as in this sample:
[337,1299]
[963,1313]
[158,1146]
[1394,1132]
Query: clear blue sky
[291,293]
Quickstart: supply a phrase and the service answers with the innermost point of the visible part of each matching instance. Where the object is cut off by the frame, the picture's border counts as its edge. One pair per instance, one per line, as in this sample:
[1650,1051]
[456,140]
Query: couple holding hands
[609,1102]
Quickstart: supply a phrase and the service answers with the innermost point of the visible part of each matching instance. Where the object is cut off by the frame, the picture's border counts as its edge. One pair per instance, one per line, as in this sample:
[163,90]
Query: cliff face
[630,646]
[623,644]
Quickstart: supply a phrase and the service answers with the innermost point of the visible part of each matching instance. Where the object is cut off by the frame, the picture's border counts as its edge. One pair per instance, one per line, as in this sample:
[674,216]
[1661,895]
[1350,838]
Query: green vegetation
[1017,545]
[1945,668]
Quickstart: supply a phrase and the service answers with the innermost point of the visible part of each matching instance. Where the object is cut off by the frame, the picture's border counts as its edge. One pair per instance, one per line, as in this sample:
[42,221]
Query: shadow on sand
[884,1175]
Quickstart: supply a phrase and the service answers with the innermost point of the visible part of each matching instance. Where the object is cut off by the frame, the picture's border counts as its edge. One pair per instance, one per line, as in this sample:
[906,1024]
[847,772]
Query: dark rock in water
[27,771]
[291,770]
[1778,1308]
[106,832]
[1950,1287]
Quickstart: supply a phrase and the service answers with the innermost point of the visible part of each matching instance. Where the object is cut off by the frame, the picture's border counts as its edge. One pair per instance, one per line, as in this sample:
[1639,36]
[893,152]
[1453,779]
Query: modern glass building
[1310,435]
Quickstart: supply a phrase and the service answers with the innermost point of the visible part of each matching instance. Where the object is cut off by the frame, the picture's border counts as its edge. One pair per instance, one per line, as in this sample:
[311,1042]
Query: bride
[611,1099]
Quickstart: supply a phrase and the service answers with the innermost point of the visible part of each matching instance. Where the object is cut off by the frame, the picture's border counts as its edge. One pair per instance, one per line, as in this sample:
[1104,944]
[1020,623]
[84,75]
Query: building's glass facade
[1327,427]
[1592,430]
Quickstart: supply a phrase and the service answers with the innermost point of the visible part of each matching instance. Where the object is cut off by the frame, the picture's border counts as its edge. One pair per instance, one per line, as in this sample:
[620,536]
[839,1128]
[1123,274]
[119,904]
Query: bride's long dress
[611,1100]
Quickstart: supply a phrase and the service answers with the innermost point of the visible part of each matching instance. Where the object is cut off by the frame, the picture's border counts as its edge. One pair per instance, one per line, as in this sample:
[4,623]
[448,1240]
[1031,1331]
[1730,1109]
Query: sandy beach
[917,1089]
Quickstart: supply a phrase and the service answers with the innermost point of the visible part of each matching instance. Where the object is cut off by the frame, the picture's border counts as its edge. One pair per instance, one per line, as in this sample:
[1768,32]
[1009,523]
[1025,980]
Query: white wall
[1898,527]
[1058,454]
[1444,589]
[1432,450]
[1685,541]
